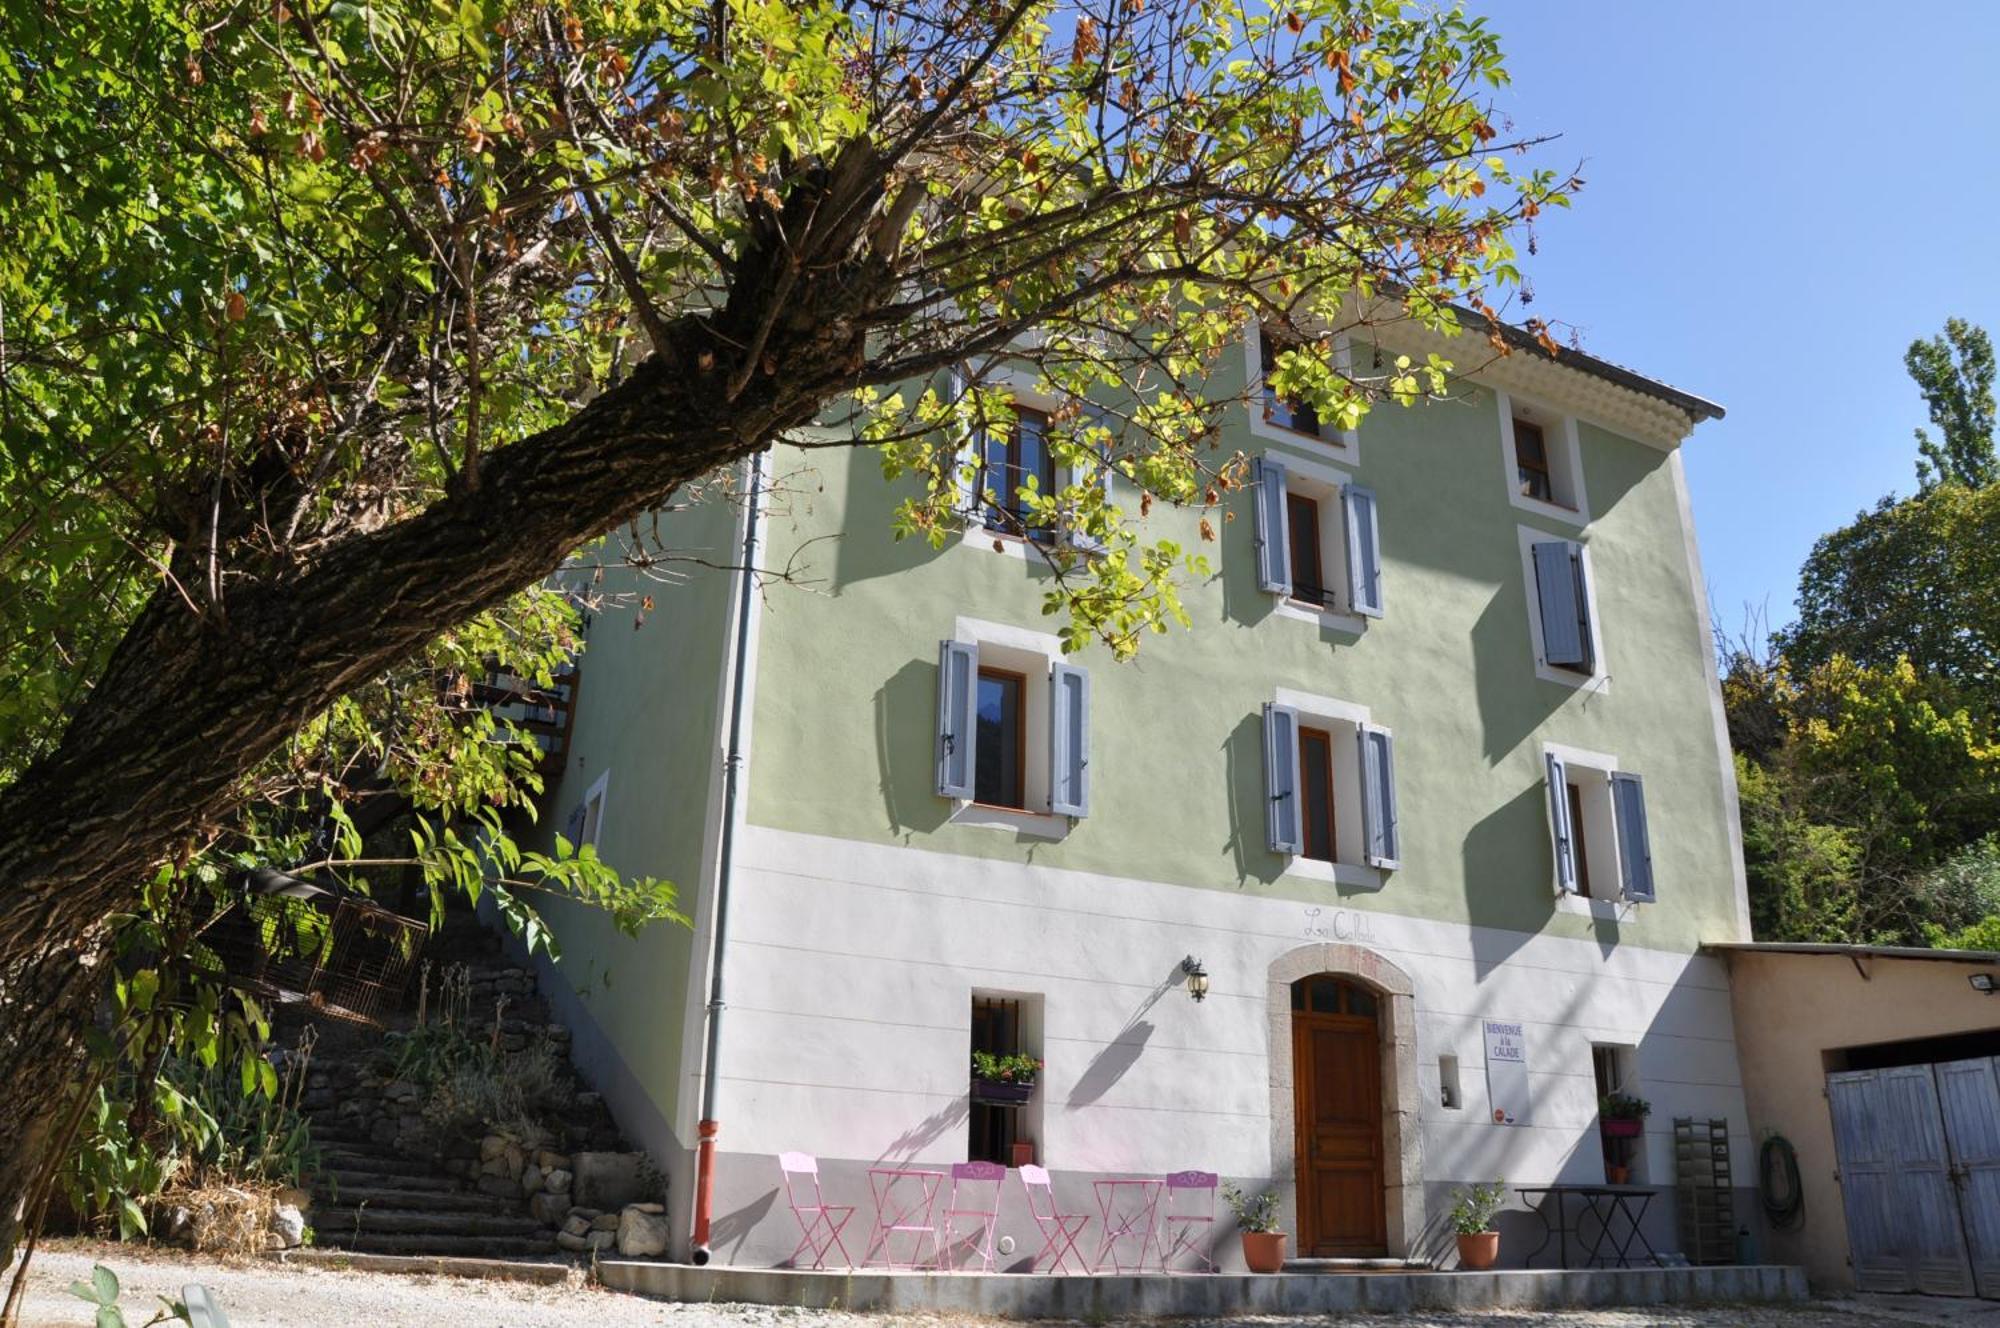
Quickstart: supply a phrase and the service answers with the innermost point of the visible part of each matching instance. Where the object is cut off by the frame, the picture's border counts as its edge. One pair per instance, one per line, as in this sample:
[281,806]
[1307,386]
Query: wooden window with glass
[1302,516]
[1017,457]
[1531,461]
[1298,416]
[996,1030]
[1316,792]
[1000,749]
[1579,853]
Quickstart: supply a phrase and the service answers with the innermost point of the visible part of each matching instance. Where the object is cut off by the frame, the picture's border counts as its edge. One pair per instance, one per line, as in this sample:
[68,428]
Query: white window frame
[1565,455]
[596,795]
[1343,721]
[1599,679]
[1600,833]
[1323,484]
[1022,387]
[1342,445]
[1030,654]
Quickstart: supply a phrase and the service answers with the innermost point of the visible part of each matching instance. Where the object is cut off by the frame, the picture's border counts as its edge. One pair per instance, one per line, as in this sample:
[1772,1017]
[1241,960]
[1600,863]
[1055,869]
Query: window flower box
[1004,1080]
[1626,1128]
[1002,1092]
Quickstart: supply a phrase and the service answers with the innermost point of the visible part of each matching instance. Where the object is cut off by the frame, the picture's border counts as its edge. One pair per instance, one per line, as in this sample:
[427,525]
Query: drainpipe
[710,1127]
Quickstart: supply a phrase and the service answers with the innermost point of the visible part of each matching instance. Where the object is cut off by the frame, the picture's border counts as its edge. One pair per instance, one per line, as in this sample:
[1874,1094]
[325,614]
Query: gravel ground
[263,1295]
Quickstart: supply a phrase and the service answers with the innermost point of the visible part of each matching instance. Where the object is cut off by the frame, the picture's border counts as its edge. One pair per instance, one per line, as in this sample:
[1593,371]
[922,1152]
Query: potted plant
[1622,1116]
[1005,1080]
[1472,1210]
[1263,1242]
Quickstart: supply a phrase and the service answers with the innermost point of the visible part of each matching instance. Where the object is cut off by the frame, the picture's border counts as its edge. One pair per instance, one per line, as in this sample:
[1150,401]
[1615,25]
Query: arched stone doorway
[1331,1035]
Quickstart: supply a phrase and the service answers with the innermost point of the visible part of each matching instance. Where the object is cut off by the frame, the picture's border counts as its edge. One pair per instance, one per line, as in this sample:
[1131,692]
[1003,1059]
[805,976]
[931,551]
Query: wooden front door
[1337,1072]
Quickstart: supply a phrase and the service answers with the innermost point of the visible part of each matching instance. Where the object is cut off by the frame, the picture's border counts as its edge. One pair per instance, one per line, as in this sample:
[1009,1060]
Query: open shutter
[1635,851]
[1094,419]
[1559,592]
[1364,551]
[1378,797]
[967,476]
[1559,826]
[1069,740]
[573,825]
[1281,778]
[958,725]
[1274,559]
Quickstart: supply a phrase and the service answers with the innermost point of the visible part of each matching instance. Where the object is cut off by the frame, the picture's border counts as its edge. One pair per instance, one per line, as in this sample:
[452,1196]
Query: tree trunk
[187,704]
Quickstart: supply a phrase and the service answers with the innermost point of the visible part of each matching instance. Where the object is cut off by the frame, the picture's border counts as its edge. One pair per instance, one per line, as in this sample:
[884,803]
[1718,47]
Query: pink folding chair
[980,1201]
[1059,1229]
[1191,1229]
[820,1222]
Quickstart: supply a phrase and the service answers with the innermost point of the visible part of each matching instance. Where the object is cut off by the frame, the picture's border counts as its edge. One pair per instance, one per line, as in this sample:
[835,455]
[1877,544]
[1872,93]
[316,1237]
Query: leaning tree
[329,330]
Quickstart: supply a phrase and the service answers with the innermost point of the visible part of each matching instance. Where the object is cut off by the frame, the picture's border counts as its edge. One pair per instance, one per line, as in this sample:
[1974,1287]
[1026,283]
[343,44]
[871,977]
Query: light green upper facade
[845,696]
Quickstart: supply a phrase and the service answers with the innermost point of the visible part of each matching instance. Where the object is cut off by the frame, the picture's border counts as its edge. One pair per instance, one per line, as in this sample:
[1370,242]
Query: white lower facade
[852,969]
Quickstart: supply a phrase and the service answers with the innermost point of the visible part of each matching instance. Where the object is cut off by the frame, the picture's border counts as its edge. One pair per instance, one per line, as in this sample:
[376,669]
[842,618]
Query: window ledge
[1339,873]
[1608,910]
[1567,515]
[1352,624]
[1033,825]
[1599,682]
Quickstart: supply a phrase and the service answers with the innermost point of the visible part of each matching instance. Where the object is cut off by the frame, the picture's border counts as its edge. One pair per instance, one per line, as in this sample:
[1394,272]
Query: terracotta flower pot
[1616,1175]
[1264,1251]
[1023,1151]
[1479,1251]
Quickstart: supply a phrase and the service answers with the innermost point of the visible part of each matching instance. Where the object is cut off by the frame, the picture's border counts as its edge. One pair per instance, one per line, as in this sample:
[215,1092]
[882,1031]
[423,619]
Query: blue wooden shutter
[1094,419]
[1069,740]
[958,722]
[1635,851]
[1274,557]
[1378,797]
[1559,590]
[1565,833]
[1281,778]
[969,475]
[1364,550]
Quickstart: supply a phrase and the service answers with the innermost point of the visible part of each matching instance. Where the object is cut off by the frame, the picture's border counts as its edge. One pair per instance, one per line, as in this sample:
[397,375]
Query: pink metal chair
[820,1222]
[980,1201]
[1191,1229]
[1060,1230]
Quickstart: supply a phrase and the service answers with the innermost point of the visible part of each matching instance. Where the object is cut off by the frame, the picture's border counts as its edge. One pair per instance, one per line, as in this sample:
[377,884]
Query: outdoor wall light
[1982,982]
[1197,978]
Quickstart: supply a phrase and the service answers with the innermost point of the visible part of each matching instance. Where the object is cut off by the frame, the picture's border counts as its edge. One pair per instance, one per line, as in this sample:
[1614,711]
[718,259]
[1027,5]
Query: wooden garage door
[1904,1231]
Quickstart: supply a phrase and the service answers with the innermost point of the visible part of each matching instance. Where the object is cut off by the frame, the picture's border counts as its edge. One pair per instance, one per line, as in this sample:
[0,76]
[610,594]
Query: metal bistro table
[1606,1203]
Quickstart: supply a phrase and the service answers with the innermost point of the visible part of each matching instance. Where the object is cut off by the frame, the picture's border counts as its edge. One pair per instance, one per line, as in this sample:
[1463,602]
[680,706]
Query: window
[1017,458]
[1544,459]
[1562,610]
[1450,1096]
[1299,417]
[1013,730]
[585,823]
[1597,826]
[1004,1024]
[1330,786]
[1001,746]
[1613,1072]
[1318,537]
[1316,791]
[1531,459]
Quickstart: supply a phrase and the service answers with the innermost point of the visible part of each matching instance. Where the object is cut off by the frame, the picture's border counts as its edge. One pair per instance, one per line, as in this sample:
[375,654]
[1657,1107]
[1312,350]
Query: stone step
[422,1222]
[464,1247]
[345,1195]
[376,1163]
[343,1181]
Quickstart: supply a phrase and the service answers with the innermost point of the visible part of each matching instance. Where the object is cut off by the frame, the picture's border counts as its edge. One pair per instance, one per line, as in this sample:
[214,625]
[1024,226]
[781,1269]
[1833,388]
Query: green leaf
[104,1282]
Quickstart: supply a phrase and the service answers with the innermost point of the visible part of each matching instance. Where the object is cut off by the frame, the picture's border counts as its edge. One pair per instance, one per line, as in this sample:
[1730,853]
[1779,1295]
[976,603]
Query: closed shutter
[1562,595]
[1093,421]
[1364,551]
[1274,559]
[958,700]
[1069,740]
[1635,853]
[1281,778]
[1378,798]
[1559,826]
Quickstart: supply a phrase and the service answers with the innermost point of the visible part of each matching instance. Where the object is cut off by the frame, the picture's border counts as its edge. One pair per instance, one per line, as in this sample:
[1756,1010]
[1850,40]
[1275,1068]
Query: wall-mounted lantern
[1197,978]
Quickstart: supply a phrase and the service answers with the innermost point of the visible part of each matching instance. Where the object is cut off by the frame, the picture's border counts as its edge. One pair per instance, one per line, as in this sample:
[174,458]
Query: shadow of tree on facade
[927,1131]
[729,1231]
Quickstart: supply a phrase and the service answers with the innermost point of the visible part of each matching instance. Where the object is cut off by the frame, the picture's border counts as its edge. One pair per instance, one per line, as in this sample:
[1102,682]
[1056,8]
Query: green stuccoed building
[1371,885]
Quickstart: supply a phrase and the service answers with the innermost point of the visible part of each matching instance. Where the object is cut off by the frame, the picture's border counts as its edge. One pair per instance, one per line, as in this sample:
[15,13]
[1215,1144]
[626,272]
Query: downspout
[710,1127]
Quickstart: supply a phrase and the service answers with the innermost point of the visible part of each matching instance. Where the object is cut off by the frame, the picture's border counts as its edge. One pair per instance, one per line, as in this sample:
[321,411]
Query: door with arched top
[1337,1071]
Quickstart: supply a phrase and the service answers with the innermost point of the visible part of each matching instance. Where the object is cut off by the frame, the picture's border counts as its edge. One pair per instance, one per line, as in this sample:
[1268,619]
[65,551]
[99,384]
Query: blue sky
[1779,198]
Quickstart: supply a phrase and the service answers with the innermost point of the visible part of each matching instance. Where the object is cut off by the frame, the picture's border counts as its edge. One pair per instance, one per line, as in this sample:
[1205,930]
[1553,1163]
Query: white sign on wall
[1507,1072]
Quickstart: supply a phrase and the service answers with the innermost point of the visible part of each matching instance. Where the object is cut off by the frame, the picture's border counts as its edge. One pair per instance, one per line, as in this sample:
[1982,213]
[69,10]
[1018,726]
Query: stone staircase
[385,1185]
